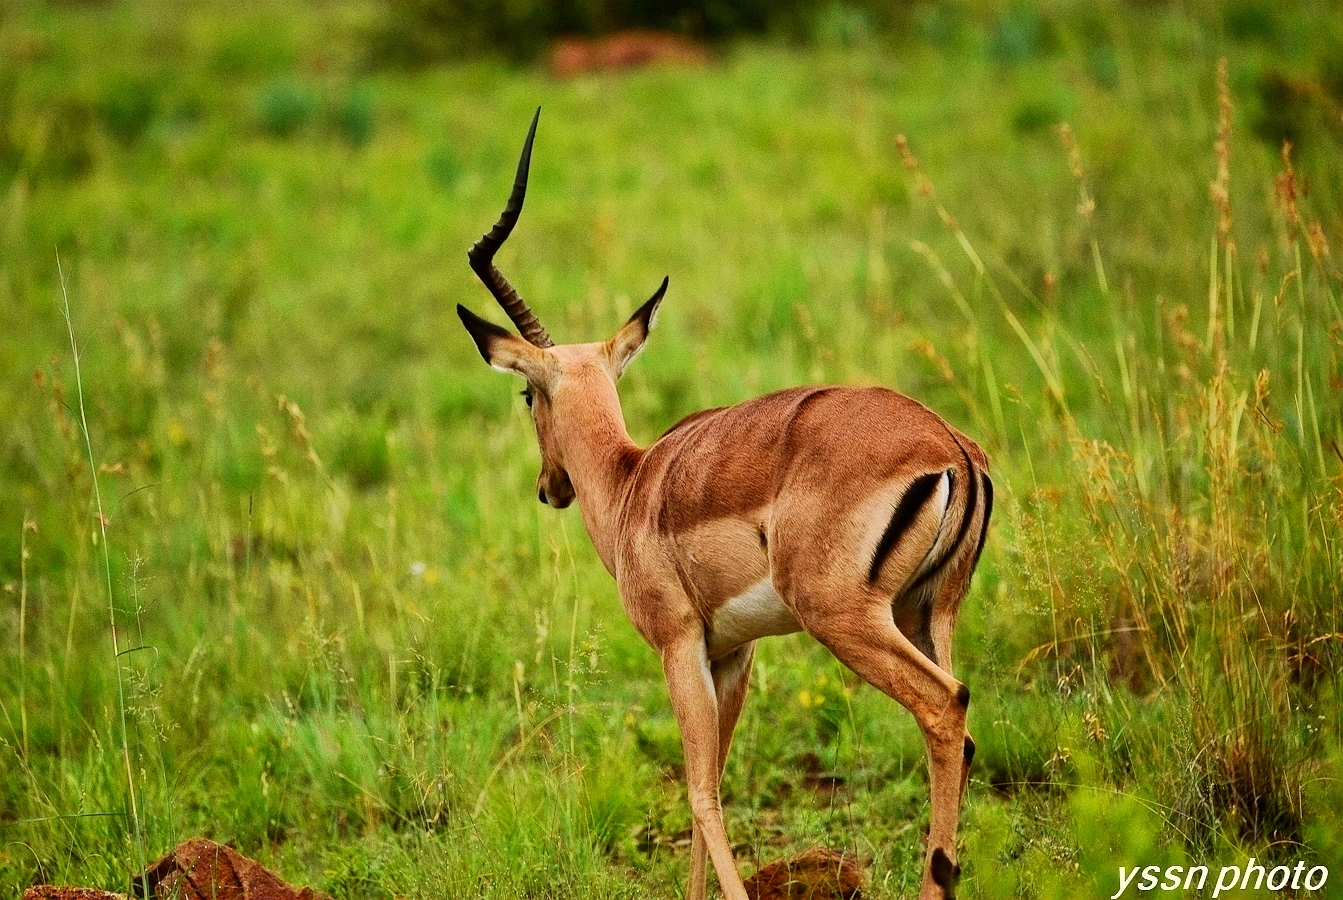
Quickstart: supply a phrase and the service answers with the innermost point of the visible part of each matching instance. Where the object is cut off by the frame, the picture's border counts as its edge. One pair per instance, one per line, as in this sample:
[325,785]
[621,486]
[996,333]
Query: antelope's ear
[626,343]
[504,350]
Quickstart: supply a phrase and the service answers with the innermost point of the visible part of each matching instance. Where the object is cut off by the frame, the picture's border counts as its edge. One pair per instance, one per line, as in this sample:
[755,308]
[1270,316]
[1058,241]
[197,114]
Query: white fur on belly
[755,614]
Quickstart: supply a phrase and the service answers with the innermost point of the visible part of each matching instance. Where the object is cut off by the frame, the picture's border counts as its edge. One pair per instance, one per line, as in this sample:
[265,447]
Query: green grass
[356,647]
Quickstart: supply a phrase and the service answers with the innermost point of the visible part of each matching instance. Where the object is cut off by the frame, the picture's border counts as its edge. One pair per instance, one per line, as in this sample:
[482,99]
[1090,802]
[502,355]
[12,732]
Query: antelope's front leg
[731,676]
[695,703]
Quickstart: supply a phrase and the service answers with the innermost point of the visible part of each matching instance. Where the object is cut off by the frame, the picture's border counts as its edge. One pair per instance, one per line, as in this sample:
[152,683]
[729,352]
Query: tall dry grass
[1187,574]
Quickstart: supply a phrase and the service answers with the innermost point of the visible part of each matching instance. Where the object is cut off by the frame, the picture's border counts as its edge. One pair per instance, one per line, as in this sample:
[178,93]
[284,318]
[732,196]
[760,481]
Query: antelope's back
[814,469]
[735,459]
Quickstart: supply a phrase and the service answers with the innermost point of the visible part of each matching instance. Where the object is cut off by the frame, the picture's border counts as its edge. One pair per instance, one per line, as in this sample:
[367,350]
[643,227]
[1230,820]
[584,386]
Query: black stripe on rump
[969,513]
[906,511]
[984,531]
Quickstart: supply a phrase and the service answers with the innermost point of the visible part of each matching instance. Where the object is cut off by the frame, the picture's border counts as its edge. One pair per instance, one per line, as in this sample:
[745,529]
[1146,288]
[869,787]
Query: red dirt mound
[198,869]
[818,874]
[623,50]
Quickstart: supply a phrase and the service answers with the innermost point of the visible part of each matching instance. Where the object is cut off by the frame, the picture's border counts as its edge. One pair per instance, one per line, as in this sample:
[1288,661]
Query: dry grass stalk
[1086,204]
[1221,185]
[1285,192]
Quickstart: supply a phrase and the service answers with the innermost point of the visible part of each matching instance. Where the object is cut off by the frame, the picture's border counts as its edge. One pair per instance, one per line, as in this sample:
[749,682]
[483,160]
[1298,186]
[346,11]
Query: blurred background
[1102,238]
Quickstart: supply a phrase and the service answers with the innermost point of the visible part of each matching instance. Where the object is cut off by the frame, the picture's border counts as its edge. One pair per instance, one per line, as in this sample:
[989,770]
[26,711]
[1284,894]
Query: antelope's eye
[527,395]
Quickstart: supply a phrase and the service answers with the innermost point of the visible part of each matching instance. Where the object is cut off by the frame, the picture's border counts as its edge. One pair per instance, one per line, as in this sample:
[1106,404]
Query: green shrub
[352,117]
[284,106]
[362,453]
[1020,34]
[443,166]
[52,142]
[126,105]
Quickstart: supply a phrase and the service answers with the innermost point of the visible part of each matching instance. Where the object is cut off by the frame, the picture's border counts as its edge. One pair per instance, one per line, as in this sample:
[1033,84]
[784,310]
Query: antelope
[856,515]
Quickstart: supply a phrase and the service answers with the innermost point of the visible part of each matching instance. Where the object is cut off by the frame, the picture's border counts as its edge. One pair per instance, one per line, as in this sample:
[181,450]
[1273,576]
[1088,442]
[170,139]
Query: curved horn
[482,253]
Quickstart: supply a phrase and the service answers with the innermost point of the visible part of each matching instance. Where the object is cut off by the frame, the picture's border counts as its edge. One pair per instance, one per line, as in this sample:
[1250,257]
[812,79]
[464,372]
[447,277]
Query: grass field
[296,592]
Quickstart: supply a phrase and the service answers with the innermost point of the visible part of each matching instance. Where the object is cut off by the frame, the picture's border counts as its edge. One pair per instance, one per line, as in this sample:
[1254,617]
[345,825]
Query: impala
[854,514]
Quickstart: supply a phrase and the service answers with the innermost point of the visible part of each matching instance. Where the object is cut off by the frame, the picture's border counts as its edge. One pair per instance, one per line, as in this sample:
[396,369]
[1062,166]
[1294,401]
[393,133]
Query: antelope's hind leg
[946,604]
[857,626]
[952,589]
[928,621]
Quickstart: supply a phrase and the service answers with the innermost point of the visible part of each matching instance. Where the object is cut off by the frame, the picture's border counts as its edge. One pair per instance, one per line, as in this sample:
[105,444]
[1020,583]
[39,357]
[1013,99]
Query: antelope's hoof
[945,873]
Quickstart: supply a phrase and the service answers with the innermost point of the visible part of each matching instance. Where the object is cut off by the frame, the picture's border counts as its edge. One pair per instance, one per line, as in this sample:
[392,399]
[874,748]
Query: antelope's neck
[600,458]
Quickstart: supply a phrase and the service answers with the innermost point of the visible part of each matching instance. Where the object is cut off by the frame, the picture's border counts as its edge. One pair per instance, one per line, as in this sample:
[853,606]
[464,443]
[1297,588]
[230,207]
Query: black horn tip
[525,160]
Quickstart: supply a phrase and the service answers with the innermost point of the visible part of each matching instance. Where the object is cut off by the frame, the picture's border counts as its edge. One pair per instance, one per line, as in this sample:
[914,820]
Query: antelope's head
[562,381]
